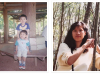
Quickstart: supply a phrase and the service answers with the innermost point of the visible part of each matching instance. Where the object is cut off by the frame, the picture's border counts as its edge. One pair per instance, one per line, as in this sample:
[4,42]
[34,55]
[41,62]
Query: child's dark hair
[69,39]
[23,15]
[23,31]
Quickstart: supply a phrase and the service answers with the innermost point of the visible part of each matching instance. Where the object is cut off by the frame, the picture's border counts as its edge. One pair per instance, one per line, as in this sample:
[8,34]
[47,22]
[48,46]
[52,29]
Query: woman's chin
[78,40]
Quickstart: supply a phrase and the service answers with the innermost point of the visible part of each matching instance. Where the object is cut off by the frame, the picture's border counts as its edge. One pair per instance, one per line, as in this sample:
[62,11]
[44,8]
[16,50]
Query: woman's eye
[80,30]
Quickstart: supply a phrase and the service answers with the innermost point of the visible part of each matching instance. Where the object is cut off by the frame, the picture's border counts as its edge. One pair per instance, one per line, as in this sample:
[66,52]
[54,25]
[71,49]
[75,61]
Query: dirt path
[7,63]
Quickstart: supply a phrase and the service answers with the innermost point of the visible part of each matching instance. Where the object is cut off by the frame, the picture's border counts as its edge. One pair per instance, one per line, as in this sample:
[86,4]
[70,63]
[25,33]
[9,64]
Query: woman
[77,50]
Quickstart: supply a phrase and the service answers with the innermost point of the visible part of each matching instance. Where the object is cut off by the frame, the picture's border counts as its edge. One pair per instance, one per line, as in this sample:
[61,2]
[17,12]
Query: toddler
[22,48]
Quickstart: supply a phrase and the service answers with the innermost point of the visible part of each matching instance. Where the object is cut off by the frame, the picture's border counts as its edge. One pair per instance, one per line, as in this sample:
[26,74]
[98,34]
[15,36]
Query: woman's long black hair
[69,39]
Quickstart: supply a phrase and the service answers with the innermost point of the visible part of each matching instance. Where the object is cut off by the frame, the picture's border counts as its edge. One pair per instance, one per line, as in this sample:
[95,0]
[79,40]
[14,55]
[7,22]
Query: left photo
[23,36]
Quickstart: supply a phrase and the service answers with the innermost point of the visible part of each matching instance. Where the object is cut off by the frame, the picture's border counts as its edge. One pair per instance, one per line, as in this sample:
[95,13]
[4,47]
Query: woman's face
[78,34]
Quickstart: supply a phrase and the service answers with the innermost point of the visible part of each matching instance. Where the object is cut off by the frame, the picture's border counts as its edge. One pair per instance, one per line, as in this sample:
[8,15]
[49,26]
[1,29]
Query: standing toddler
[22,48]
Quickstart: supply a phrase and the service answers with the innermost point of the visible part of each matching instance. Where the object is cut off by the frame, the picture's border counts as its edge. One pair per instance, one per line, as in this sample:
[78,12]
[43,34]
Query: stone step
[37,40]
[37,47]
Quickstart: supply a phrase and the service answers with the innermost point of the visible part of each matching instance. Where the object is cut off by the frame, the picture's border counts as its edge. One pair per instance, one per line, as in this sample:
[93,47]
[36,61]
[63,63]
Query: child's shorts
[21,53]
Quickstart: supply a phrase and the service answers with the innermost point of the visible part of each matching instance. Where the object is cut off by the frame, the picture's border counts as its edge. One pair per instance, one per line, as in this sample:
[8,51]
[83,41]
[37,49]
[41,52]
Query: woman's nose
[78,32]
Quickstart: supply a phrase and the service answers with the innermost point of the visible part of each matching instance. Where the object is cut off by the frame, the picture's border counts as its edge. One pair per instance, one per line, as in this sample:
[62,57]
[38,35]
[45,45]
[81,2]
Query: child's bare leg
[24,57]
[20,63]
[19,58]
[24,60]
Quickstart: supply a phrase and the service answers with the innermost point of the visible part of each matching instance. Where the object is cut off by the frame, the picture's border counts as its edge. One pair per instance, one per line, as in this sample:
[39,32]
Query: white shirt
[81,64]
[22,44]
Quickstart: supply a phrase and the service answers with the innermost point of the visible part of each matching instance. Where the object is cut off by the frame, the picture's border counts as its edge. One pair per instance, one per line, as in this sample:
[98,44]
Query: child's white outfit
[22,47]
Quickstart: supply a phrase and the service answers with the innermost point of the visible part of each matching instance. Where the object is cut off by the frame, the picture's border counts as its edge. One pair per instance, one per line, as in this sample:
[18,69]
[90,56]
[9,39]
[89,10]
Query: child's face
[22,35]
[23,20]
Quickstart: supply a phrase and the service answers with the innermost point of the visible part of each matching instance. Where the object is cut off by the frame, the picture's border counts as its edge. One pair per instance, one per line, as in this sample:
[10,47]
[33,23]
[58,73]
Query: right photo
[76,36]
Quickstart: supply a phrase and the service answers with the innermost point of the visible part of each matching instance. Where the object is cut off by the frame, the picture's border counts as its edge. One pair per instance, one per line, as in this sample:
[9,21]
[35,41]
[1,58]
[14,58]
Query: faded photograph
[23,36]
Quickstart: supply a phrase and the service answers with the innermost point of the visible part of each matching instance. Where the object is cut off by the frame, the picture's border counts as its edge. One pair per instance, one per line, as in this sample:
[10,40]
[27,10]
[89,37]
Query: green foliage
[1,22]
[10,22]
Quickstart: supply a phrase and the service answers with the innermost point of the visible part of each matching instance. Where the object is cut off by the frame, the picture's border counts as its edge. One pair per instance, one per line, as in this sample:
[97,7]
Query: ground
[8,63]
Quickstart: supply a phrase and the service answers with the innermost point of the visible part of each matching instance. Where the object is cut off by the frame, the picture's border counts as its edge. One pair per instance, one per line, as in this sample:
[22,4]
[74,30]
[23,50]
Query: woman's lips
[78,36]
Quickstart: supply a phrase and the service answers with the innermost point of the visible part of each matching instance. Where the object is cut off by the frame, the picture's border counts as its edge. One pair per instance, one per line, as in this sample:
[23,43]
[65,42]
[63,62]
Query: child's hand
[16,52]
[28,52]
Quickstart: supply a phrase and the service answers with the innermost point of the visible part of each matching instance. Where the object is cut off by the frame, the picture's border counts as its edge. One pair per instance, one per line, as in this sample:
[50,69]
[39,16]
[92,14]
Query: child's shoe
[20,65]
[23,66]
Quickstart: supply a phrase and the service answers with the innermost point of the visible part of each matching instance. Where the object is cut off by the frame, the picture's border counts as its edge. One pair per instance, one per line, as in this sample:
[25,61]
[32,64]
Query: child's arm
[16,49]
[28,49]
[27,46]
[27,31]
[27,34]
[17,34]
[16,44]
[28,28]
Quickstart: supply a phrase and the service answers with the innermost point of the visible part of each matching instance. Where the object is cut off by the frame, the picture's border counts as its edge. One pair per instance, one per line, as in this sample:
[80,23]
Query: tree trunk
[91,33]
[69,18]
[59,38]
[79,14]
[88,11]
[98,35]
[6,27]
[95,30]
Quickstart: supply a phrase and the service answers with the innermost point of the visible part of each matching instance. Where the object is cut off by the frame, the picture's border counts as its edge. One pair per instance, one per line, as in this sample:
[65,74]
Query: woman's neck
[78,43]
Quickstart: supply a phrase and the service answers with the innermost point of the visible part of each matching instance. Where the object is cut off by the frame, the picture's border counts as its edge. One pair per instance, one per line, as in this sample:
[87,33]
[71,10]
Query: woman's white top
[83,63]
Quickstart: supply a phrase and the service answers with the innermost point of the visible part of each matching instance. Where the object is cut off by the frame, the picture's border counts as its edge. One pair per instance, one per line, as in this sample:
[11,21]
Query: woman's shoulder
[63,48]
[64,45]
